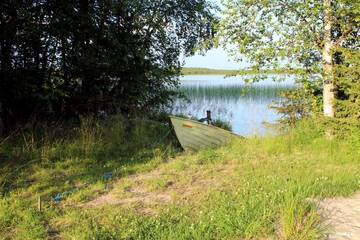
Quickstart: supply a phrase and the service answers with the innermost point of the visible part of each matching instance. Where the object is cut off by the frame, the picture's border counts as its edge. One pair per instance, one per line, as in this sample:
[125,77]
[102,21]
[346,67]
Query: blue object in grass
[108,176]
[57,198]
[60,196]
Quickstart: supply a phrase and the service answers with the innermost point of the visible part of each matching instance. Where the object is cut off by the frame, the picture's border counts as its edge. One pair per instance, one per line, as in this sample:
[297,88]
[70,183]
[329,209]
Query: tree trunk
[327,57]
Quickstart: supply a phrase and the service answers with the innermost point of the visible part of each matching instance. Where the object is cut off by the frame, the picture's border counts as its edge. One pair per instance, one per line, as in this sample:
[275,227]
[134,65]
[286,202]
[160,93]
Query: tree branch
[341,39]
[311,28]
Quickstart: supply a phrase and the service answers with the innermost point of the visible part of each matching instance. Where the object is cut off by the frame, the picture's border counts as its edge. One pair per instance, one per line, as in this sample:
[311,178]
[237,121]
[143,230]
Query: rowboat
[194,135]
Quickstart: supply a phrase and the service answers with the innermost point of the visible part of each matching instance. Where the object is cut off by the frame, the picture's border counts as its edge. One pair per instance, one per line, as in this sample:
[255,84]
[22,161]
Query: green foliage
[71,58]
[275,34]
[306,101]
[292,107]
[299,103]
[342,128]
[268,32]
[348,81]
[222,124]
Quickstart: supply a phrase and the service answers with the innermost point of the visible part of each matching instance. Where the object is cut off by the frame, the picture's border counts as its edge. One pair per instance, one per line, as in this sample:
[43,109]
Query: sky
[214,58]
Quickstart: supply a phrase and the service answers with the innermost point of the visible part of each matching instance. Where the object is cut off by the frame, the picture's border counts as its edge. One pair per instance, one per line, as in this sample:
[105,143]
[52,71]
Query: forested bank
[63,59]
[226,72]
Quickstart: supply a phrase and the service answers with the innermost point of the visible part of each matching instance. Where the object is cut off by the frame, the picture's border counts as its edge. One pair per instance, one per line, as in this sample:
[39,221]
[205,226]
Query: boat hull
[194,135]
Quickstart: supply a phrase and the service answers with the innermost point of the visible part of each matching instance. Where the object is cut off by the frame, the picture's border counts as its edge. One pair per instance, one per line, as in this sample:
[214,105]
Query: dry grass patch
[166,185]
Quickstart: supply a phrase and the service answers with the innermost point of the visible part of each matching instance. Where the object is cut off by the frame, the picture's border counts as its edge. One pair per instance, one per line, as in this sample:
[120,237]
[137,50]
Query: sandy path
[342,217]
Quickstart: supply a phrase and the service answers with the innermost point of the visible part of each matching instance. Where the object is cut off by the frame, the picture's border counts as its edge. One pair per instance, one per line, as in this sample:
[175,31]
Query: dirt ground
[141,196]
[342,217]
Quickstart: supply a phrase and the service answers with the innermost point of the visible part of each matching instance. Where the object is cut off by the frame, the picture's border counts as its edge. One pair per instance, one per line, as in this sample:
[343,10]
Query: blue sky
[214,58]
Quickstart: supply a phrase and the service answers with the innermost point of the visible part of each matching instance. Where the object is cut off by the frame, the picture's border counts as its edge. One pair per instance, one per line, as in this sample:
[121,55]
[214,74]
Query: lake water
[245,106]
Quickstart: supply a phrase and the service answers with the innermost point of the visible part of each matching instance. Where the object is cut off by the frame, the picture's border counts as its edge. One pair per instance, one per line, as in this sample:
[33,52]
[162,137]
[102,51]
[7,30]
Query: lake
[245,106]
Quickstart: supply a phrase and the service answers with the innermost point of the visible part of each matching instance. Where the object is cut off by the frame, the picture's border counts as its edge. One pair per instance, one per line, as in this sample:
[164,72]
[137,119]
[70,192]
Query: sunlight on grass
[251,188]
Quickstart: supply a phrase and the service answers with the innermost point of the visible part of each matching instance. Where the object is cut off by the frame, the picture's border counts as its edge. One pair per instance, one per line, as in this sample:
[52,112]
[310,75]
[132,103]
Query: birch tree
[305,34]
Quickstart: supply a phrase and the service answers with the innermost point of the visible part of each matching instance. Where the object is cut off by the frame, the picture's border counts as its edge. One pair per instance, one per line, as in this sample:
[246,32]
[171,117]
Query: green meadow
[117,179]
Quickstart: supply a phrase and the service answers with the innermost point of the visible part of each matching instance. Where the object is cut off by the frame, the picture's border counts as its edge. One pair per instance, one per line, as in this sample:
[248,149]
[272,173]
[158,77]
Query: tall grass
[244,107]
[101,145]
[299,218]
[233,92]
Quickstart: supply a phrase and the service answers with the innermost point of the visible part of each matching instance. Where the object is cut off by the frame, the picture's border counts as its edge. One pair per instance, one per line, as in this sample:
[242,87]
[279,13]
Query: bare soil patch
[342,217]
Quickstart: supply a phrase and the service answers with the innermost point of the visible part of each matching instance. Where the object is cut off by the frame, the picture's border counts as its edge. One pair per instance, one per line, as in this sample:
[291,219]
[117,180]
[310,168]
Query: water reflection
[230,99]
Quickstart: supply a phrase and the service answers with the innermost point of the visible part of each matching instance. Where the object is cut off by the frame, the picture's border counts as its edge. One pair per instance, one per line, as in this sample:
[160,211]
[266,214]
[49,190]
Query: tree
[66,58]
[294,33]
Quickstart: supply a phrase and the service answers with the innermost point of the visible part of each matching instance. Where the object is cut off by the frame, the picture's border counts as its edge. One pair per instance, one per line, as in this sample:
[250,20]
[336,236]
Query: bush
[222,124]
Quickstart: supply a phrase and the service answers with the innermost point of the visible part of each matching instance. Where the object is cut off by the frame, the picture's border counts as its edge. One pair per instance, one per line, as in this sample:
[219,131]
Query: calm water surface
[245,106]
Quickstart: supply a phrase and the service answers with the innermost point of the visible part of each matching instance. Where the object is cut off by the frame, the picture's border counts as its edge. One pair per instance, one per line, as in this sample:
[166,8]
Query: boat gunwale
[207,125]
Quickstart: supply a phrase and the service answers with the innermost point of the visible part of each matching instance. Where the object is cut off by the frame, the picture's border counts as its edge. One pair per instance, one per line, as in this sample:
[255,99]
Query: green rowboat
[194,135]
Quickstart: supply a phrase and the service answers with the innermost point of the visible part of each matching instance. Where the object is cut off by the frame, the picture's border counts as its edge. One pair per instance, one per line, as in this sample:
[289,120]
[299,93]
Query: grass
[258,188]
[234,92]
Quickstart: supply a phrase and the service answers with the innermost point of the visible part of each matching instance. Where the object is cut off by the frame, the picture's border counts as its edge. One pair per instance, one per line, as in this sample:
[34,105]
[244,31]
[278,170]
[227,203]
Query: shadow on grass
[53,160]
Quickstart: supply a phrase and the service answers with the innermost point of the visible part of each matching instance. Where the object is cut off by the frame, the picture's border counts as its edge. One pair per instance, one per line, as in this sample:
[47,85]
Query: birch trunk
[327,57]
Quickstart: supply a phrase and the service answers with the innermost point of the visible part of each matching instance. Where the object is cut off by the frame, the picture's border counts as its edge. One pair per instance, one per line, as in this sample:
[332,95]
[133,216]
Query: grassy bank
[109,181]
[209,71]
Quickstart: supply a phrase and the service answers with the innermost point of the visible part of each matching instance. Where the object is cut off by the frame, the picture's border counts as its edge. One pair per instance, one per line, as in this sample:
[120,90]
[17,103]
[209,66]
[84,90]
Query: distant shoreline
[208,71]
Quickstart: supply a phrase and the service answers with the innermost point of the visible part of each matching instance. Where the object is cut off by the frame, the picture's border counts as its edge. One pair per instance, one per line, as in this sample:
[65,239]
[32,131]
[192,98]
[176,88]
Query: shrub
[222,124]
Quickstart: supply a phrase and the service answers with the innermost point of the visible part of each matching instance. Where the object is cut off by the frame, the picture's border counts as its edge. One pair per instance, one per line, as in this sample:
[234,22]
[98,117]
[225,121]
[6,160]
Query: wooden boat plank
[194,142]
[194,135]
[202,138]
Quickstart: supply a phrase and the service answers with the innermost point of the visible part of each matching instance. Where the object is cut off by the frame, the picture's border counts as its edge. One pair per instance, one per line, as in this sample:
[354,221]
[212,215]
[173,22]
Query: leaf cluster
[66,58]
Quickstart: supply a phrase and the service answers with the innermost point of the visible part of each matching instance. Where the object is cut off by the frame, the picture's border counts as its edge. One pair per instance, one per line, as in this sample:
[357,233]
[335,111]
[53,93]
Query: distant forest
[209,71]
